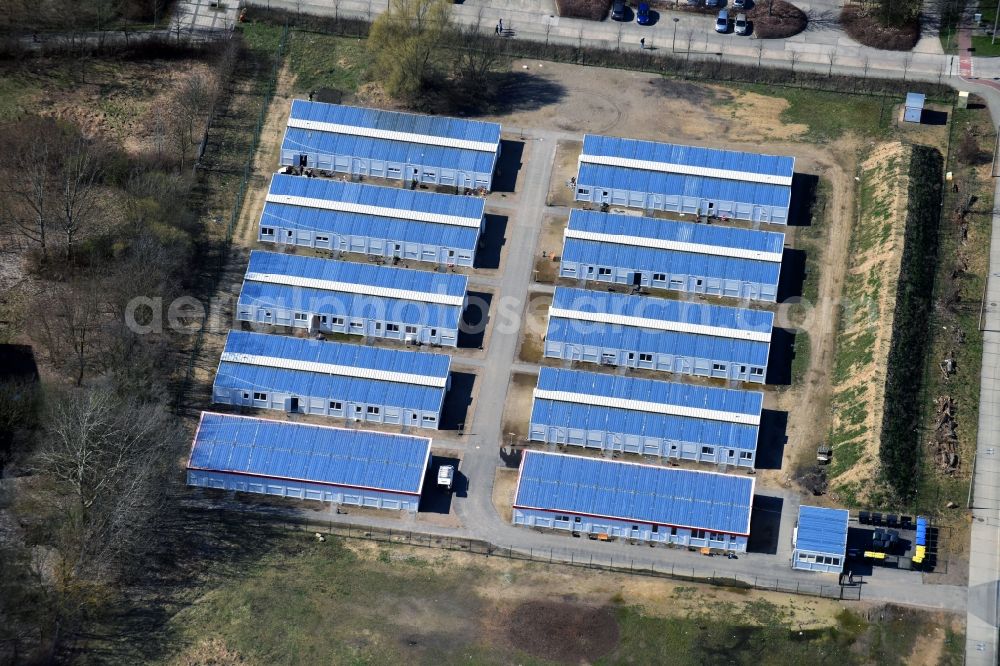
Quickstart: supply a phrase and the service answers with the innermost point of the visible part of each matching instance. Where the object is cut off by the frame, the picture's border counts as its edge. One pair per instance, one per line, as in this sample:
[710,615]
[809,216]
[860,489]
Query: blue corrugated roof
[615,336]
[716,189]
[597,253]
[353,305]
[915,100]
[704,314]
[375,226]
[403,152]
[668,153]
[675,230]
[244,377]
[398,198]
[638,422]
[822,530]
[374,275]
[279,449]
[397,121]
[631,492]
[651,390]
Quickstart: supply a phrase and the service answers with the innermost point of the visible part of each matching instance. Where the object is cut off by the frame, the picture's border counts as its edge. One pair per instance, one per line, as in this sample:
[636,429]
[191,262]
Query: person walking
[642,43]
[498,29]
[500,26]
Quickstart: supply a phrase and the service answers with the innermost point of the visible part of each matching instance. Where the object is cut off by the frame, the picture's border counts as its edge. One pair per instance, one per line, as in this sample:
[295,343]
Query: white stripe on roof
[678,246]
[643,406]
[380,211]
[688,170]
[392,135]
[332,369]
[348,287]
[661,324]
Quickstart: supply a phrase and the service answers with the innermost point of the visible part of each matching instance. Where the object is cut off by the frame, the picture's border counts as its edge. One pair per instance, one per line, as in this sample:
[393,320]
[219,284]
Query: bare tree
[688,41]
[793,57]
[831,57]
[907,61]
[25,187]
[104,462]
[67,321]
[77,180]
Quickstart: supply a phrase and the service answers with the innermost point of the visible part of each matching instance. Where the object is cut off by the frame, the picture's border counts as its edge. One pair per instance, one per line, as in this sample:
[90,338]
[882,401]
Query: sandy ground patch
[875,262]
[564,168]
[550,243]
[504,487]
[517,412]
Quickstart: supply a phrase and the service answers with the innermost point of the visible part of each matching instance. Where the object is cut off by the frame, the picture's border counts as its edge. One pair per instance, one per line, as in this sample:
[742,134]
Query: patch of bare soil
[565,632]
[517,411]
[504,487]
[756,113]
[549,246]
[866,326]
[808,404]
[561,183]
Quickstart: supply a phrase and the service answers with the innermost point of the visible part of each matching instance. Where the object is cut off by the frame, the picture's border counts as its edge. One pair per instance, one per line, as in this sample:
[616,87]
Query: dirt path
[808,405]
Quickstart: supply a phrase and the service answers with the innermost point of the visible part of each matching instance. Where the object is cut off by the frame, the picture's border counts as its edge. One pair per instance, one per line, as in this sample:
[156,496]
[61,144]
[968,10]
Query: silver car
[742,26]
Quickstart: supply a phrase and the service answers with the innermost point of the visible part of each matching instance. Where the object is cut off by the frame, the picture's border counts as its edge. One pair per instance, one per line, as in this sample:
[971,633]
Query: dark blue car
[642,16]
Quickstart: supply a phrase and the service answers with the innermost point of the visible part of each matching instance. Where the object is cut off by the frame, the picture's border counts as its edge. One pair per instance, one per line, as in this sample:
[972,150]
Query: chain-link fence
[640,566]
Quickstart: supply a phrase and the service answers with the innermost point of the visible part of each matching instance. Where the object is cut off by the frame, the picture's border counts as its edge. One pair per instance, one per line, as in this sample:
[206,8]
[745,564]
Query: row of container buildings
[622,414]
[614,414]
[375,299]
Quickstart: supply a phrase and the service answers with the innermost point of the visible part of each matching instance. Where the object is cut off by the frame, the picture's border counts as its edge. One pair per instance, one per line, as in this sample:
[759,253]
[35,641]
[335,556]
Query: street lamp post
[993,37]
[673,44]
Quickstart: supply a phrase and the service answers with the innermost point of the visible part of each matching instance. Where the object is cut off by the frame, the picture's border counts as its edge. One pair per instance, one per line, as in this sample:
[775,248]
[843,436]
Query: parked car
[708,3]
[739,4]
[642,15]
[618,10]
[722,21]
[742,26]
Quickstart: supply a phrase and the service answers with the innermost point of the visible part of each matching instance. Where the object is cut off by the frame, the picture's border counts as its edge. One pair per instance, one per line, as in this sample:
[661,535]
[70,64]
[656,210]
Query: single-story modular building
[390,222]
[417,307]
[658,334]
[389,144]
[685,179]
[337,465]
[646,417]
[632,501]
[667,254]
[819,541]
[356,382]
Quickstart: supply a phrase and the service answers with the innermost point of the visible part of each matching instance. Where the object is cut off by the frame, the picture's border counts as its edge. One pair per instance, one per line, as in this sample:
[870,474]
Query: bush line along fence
[899,449]
[704,67]
[268,95]
[565,556]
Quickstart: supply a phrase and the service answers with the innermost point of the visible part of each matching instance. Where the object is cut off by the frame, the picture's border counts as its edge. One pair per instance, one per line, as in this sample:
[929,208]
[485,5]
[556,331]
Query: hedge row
[632,58]
[899,451]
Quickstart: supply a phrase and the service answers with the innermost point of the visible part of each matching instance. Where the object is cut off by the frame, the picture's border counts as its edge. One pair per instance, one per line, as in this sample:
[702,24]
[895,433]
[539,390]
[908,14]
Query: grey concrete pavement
[823,47]
[983,613]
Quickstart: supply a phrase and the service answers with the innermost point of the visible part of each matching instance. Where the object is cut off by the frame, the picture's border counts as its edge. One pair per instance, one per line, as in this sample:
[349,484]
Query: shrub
[900,440]
[776,19]
[868,29]
[594,10]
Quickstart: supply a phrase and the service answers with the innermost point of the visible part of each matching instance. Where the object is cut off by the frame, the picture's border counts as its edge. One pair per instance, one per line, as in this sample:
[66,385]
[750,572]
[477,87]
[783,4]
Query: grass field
[863,115]
[954,327]
[363,603]
[318,62]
